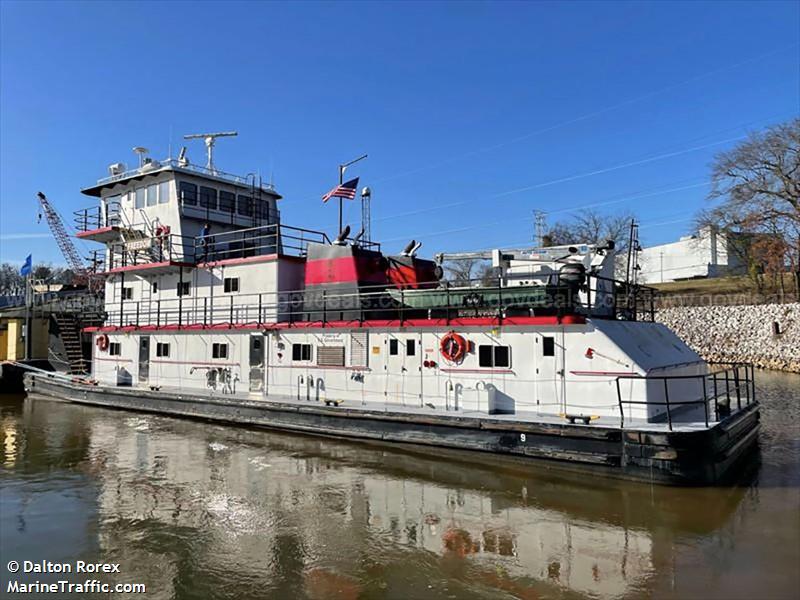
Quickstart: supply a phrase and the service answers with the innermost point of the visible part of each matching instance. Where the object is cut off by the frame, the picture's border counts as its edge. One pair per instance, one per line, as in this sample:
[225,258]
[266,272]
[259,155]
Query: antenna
[210,139]
[366,217]
[140,151]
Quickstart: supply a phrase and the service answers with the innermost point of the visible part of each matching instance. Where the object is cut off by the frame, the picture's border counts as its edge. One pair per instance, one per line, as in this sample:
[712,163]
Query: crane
[81,273]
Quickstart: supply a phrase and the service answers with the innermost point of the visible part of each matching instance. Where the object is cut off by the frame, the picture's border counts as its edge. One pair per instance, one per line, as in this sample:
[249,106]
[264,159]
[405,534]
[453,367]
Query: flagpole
[341,181]
[342,169]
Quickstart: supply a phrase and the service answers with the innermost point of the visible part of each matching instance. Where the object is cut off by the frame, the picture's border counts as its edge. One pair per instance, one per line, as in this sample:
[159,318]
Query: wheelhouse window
[127,293]
[184,288]
[162,350]
[163,192]
[494,356]
[245,206]
[227,201]
[208,197]
[219,350]
[301,352]
[230,285]
[188,193]
[394,347]
[411,347]
[115,349]
[154,287]
[548,346]
[139,195]
[152,195]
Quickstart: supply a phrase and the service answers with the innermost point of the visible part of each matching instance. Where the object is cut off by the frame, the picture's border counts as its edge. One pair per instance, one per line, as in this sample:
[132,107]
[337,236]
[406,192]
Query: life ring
[102,342]
[453,347]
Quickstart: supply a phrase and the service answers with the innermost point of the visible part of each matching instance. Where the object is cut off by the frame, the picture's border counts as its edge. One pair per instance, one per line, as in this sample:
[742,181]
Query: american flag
[343,190]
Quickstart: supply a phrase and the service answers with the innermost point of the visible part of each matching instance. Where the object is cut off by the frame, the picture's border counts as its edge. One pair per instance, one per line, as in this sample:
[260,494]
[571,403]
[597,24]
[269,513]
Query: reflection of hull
[689,456]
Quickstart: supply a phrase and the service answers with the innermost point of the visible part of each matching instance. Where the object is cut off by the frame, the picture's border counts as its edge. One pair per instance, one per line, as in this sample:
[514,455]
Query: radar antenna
[210,139]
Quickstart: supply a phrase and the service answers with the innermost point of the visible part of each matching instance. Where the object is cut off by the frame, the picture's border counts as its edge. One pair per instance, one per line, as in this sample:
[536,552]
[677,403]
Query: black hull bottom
[680,457]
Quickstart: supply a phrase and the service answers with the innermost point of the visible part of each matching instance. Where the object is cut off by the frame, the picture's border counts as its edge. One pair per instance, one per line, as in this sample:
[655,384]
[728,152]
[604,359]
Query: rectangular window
[548,346]
[163,192]
[411,348]
[231,284]
[152,195]
[394,346]
[219,350]
[494,356]
[188,193]
[127,293]
[139,198]
[115,349]
[184,289]
[301,352]
[227,201]
[208,197]
[245,206]
[154,287]
[162,350]
[330,356]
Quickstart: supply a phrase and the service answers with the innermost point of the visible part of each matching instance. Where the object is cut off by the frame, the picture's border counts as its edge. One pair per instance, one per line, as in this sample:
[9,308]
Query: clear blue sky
[473,115]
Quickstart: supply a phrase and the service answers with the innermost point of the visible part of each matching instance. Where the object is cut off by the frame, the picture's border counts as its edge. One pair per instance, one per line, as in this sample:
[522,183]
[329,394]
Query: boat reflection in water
[199,510]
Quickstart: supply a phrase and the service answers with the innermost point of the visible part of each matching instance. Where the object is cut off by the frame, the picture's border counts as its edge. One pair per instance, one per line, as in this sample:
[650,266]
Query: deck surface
[688,421]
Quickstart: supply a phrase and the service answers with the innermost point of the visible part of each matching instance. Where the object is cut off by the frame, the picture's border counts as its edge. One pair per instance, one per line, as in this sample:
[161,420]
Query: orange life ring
[102,342]
[453,347]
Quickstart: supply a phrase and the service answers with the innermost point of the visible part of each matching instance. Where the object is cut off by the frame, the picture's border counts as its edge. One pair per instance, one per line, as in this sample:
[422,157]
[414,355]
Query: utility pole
[342,169]
[539,225]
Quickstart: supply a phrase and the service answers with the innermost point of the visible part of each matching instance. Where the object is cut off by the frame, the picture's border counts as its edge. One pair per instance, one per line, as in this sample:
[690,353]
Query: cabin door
[549,371]
[144,358]
[404,369]
[257,362]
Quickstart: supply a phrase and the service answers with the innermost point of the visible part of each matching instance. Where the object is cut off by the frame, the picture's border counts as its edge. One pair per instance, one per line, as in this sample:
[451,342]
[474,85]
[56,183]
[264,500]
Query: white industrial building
[703,255]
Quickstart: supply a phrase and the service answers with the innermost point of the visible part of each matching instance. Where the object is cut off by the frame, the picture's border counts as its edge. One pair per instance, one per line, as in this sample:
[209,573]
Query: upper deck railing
[444,303]
[174,163]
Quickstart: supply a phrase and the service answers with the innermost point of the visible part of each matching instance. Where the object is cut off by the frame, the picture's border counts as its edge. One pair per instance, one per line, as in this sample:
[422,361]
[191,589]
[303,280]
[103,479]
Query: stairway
[69,328]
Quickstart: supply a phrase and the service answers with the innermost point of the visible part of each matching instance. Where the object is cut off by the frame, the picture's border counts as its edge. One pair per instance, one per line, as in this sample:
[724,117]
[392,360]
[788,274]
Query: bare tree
[592,227]
[758,184]
[462,271]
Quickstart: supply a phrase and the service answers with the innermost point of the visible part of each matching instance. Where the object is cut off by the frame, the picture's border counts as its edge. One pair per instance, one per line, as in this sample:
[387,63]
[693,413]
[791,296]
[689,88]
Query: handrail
[174,163]
[706,379]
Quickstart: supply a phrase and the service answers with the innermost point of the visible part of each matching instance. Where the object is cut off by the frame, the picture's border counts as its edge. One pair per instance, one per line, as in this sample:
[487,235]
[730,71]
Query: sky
[473,114]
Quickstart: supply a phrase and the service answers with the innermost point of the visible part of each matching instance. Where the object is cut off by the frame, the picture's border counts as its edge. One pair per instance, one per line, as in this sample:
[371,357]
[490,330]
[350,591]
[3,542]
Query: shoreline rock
[767,335]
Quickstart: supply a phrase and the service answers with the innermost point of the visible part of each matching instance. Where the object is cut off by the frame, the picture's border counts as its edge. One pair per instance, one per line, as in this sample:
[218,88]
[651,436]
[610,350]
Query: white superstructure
[206,289]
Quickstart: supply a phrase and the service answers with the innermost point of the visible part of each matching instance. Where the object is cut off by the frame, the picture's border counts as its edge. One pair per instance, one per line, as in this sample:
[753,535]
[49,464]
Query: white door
[549,370]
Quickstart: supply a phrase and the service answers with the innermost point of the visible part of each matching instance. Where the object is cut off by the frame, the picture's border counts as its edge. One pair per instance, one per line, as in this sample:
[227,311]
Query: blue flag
[28,266]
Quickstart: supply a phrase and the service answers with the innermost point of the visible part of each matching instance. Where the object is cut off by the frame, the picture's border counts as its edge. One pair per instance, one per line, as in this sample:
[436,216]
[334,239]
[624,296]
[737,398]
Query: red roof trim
[148,266]
[238,261]
[94,232]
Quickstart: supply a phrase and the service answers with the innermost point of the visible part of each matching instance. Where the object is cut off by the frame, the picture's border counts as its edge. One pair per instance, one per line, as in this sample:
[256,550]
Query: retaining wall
[768,335]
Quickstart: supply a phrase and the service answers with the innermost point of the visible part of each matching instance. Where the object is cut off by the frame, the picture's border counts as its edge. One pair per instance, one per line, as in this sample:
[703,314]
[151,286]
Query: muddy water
[196,510]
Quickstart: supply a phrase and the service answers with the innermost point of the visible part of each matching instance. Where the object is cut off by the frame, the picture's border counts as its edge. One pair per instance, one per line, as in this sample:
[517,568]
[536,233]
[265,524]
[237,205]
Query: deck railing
[377,302]
[726,383]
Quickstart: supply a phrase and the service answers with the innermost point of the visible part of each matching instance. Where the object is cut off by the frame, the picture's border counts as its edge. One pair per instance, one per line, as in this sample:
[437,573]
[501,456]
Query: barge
[217,310]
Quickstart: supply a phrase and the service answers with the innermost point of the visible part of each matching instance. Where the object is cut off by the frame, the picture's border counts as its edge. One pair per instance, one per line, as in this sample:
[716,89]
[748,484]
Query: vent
[359,341]
[330,356]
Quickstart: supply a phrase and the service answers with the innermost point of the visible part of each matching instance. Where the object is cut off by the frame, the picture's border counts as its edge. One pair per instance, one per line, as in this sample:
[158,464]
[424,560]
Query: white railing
[174,163]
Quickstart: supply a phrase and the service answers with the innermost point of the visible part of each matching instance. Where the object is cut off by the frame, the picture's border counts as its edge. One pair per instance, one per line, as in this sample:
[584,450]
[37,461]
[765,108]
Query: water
[196,510]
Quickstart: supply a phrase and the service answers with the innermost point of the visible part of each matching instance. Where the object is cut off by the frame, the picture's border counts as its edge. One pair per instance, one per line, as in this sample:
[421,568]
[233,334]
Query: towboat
[215,309]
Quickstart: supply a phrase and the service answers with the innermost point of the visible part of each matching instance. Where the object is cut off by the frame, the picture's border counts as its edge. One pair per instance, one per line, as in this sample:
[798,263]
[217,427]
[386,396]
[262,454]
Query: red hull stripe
[386,324]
